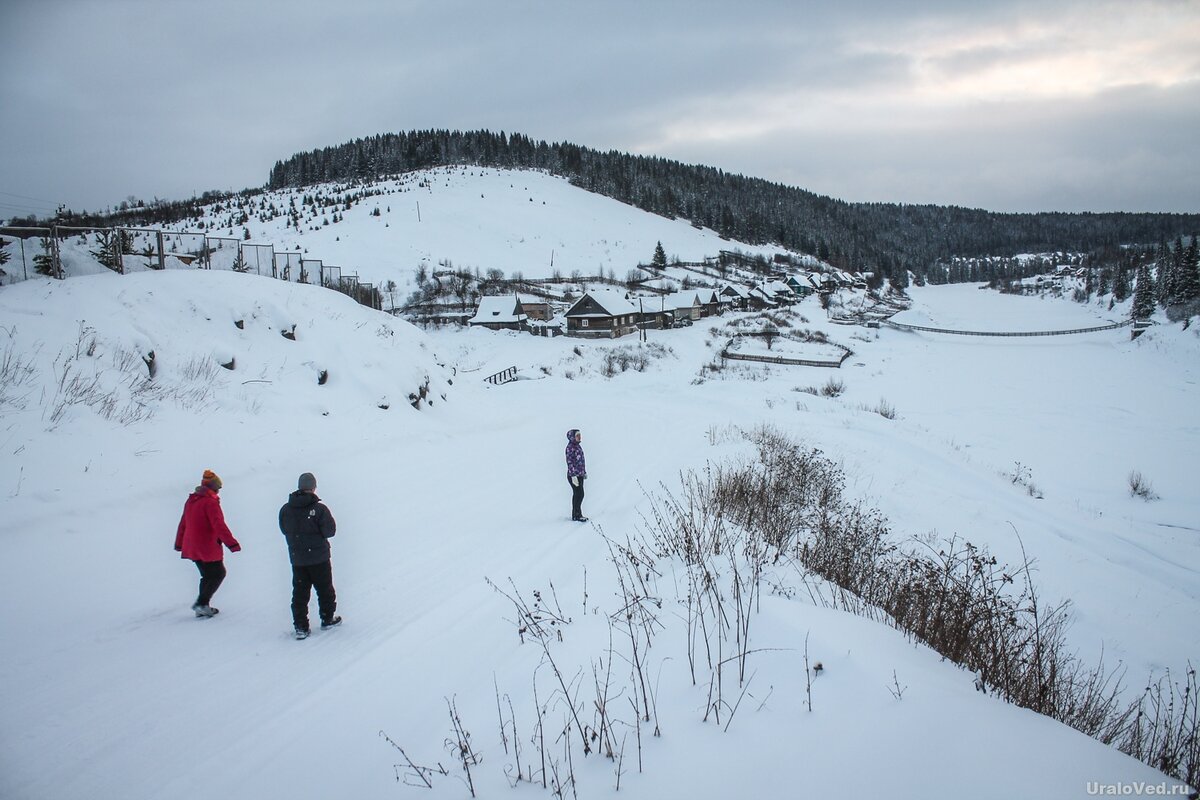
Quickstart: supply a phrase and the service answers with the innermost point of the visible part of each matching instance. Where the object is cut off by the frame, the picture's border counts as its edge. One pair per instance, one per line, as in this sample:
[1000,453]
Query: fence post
[162,256]
[119,250]
[57,256]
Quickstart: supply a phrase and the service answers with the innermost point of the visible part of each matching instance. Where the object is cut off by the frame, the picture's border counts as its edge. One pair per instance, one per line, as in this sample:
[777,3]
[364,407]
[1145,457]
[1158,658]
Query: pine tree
[1143,294]
[1121,284]
[3,255]
[108,251]
[43,262]
[660,257]
[1187,278]
[1162,269]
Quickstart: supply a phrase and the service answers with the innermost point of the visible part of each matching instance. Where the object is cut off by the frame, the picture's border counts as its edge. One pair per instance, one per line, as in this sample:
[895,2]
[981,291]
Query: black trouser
[303,580]
[576,497]
[211,575]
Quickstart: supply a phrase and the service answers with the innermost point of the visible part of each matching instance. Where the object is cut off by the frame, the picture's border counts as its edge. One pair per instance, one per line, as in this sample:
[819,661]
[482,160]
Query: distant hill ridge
[892,236]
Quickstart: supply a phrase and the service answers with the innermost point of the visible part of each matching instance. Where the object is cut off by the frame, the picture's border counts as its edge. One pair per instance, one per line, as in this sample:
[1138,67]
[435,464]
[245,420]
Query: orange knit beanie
[211,480]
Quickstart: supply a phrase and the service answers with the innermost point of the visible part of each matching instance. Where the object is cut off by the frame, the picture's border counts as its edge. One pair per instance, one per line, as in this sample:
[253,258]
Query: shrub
[788,506]
[1139,486]
[833,387]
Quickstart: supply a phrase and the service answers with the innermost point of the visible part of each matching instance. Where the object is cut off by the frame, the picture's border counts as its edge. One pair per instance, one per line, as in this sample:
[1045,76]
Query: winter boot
[333,623]
[205,612]
[302,633]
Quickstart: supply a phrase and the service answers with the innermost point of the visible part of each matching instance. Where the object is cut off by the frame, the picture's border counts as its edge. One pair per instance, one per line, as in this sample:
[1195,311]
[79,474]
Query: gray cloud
[897,101]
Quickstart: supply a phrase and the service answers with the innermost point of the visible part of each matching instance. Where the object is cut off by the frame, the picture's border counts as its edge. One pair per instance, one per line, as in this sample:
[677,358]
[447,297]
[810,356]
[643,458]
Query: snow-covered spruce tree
[660,257]
[1187,276]
[1121,287]
[1143,294]
[108,248]
[1166,268]
[43,262]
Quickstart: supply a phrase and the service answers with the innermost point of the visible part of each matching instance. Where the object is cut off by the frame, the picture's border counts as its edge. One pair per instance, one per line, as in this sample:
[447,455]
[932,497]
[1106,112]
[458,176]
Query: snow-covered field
[110,688]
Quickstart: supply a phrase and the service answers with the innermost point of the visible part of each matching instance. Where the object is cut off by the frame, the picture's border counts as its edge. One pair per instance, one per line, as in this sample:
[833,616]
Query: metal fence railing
[1113,326]
[503,376]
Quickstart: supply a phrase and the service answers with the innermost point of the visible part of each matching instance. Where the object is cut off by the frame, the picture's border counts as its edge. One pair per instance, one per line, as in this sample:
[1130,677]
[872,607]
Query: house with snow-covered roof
[602,313]
[536,308]
[782,293]
[760,299]
[501,312]
[738,297]
[710,302]
[803,284]
[653,311]
[684,305]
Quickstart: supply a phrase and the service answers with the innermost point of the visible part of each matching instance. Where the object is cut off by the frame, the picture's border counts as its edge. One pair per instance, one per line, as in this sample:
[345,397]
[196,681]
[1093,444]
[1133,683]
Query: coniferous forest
[888,237]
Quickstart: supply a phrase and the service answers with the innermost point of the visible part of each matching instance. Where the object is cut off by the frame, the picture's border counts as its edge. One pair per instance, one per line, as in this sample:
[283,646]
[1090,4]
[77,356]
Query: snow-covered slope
[111,688]
[516,221]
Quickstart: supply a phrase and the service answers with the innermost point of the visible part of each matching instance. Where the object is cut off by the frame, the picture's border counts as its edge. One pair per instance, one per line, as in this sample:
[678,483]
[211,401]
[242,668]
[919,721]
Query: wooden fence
[799,362]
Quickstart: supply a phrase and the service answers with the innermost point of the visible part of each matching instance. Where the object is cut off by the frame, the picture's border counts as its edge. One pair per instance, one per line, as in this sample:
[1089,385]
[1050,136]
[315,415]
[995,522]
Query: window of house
[583,323]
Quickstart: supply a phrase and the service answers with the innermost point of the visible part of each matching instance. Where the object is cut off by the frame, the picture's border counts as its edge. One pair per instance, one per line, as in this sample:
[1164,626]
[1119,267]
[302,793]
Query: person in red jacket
[201,532]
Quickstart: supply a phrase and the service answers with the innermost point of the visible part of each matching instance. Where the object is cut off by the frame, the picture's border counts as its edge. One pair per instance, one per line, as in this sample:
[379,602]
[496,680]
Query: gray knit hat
[307,482]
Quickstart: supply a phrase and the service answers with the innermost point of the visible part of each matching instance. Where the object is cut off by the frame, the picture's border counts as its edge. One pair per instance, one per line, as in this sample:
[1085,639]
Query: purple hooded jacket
[575,463]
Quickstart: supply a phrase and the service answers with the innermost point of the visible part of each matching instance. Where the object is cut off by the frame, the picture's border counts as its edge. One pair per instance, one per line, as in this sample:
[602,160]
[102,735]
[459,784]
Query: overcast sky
[1005,105]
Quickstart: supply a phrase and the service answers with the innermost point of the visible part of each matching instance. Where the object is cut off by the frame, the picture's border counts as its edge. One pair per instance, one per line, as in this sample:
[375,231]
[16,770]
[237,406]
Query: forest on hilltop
[890,237]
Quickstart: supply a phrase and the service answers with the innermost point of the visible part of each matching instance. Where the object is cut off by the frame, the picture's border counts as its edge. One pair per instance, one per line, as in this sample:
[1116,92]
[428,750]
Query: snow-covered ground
[111,688]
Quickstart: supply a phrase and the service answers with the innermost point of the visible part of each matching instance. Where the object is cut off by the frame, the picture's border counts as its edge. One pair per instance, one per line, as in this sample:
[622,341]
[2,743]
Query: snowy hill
[473,217]
[450,512]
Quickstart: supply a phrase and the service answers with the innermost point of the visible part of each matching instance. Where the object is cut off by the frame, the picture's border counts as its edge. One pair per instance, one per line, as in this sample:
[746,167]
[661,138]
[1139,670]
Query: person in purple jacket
[576,473]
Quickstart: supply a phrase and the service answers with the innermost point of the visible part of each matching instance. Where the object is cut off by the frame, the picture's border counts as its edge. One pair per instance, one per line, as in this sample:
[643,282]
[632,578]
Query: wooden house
[684,305]
[803,285]
[738,297]
[780,291]
[653,312]
[536,308]
[499,313]
[602,313]
[710,303]
[758,299]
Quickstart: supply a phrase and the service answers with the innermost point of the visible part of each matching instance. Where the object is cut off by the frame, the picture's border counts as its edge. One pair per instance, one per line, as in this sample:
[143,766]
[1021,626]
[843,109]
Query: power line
[27,197]
[24,207]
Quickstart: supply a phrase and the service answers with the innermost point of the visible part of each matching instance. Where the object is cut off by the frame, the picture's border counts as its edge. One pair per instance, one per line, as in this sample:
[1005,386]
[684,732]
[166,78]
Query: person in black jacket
[307,524]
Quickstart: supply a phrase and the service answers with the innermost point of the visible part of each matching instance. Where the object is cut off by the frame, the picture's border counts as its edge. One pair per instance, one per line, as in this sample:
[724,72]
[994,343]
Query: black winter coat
[307,524]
